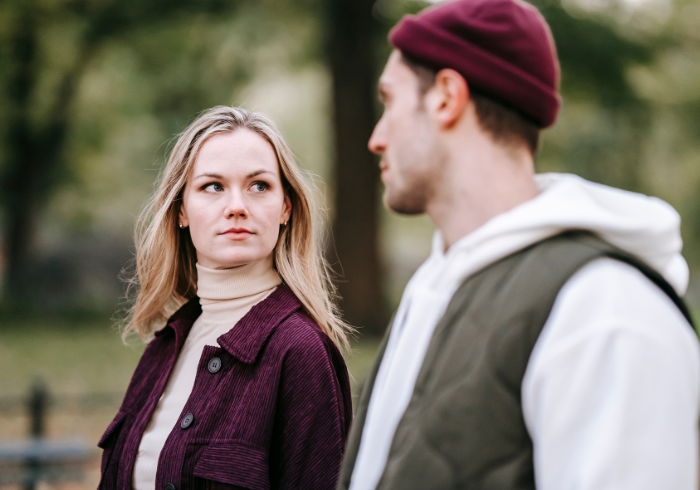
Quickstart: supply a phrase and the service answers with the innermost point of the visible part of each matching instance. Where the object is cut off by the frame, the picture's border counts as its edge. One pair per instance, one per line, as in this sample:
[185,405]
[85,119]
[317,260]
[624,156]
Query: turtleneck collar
[219,289]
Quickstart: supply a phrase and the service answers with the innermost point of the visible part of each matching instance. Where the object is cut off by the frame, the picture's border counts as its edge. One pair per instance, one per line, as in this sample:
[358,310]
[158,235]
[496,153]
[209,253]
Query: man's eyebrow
[213,176]
[258,172]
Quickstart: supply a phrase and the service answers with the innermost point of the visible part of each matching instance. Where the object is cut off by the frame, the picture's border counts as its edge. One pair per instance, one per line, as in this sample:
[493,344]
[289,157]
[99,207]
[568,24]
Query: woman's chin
[229,262]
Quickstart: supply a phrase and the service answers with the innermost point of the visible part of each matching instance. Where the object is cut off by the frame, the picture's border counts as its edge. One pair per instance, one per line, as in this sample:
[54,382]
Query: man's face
[405,138]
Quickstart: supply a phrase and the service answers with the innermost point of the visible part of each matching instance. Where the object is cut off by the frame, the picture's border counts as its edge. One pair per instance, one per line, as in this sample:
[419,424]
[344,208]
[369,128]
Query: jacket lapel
[245,340]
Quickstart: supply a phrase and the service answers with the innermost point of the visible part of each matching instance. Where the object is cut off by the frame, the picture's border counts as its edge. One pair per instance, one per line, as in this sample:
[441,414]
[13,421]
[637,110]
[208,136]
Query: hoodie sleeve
[612,390]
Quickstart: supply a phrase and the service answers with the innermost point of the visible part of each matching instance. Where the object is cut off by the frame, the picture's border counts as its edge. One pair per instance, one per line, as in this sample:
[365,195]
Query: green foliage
[94,90]
[630,83]
[631,90]
[594,56]
[111,82]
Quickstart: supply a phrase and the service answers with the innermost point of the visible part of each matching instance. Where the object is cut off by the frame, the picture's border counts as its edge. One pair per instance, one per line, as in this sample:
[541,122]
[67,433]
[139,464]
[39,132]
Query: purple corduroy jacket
[272,412]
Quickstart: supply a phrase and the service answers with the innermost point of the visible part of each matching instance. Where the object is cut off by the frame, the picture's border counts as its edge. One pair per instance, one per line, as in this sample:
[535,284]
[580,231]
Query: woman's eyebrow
[258,172]
[219,176]
[213,176]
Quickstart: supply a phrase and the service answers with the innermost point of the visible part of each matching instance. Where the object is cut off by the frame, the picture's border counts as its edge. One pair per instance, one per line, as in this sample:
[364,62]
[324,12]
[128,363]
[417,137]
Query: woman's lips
[237,233]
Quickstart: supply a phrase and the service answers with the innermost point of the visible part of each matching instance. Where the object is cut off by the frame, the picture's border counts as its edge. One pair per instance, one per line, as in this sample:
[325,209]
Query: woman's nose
[235,206]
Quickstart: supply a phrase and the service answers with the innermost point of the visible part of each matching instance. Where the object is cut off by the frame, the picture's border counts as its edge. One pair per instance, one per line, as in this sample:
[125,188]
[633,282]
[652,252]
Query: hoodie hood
[646,227]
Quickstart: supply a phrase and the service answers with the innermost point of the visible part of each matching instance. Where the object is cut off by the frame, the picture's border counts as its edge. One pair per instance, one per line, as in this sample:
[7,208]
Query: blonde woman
[243,386]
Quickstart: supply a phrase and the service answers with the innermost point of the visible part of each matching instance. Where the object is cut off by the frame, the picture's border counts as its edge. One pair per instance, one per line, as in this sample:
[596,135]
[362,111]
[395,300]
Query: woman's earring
[180,225]
[285,223]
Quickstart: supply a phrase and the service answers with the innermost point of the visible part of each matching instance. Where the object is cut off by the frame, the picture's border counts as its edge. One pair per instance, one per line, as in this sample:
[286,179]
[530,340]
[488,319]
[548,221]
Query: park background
[94,91]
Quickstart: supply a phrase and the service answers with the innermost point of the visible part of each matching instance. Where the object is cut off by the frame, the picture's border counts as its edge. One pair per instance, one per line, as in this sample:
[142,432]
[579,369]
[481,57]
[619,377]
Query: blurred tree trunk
[355,228]
[23,46]
[34,149]
[35,144]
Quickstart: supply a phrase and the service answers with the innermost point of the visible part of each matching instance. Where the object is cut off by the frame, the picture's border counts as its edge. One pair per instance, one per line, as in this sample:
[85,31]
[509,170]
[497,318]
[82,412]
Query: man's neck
[481,181]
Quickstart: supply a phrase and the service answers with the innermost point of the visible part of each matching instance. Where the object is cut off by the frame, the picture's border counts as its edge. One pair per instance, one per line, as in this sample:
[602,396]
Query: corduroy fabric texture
[274,416]
[225,296]
[502,47]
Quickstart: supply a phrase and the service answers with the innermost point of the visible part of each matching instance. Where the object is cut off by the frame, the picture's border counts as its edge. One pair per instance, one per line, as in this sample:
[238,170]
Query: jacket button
[169,486]
[185,423]
[214,365]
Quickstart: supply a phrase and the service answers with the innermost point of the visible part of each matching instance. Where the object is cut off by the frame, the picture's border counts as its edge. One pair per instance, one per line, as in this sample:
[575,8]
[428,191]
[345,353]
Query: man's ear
[447,99]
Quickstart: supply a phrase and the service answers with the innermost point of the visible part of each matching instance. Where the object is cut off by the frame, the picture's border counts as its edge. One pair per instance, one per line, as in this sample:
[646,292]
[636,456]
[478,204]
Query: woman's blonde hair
[165,276]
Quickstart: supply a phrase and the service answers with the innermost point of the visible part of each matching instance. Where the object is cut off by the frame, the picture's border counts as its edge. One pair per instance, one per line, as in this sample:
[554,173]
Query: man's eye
[260,186]
[213,187]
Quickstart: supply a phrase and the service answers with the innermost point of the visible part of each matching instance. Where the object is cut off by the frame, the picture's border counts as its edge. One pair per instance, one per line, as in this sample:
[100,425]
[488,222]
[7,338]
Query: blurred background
[93,92]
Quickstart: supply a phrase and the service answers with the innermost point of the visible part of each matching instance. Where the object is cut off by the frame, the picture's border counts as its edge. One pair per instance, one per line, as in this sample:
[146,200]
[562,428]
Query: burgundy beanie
[503,48]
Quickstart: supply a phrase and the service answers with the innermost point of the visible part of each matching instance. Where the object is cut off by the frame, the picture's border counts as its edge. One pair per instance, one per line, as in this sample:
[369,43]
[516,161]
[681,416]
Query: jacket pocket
[109,438]
[235,465]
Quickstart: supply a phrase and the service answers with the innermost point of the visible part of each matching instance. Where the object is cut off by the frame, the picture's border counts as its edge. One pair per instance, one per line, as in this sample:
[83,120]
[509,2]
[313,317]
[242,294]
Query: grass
[88,356]
[81,357]
[70,357]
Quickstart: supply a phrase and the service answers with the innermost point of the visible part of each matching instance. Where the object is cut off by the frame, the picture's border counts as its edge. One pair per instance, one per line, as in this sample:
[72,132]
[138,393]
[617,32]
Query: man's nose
[377,142]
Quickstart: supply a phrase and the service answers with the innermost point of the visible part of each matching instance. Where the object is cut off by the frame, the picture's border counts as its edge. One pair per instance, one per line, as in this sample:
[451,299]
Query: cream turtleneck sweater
[226,296]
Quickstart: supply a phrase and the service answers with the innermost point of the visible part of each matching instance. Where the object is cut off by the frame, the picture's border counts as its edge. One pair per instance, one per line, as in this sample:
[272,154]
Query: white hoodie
[611,393]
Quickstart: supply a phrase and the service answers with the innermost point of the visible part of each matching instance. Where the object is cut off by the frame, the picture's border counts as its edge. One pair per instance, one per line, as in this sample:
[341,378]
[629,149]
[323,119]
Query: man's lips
[383,170]
[383,165]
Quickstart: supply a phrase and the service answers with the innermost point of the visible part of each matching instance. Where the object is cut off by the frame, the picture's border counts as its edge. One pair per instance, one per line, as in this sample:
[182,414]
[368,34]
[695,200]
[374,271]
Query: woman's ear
[286,210]
[182,216]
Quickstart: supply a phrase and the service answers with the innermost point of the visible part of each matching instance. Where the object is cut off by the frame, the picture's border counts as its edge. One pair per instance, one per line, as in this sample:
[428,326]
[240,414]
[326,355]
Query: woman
[244,386]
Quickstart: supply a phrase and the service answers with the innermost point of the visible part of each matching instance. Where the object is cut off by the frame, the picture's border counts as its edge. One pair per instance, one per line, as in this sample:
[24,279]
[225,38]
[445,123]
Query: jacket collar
[182,320]
[245,340]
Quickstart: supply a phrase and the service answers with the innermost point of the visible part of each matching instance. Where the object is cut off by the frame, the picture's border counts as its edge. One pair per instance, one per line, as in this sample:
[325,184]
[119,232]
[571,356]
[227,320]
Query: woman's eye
[214,187]
[260,186]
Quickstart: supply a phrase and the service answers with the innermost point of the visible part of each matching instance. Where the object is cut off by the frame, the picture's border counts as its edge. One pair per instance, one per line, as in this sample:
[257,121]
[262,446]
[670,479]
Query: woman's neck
[219,290]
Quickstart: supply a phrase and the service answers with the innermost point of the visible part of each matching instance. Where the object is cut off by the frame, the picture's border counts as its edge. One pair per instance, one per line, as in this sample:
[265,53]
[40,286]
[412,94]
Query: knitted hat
[503,48]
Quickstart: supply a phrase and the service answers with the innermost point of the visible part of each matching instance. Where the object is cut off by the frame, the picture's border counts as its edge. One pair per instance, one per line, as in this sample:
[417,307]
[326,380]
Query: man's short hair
[506,124]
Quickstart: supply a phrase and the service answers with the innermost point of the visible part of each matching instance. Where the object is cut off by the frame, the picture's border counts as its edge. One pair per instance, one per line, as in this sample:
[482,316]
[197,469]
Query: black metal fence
[37,459]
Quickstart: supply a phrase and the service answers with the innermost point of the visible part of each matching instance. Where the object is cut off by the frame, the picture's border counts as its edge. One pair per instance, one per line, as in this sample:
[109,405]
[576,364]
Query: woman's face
[233,201]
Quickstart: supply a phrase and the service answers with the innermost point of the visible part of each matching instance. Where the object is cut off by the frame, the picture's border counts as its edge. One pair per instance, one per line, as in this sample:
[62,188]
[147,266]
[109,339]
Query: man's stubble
[419,163]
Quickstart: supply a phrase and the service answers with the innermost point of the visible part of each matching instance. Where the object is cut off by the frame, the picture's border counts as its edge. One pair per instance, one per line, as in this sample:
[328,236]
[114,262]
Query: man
[543,344]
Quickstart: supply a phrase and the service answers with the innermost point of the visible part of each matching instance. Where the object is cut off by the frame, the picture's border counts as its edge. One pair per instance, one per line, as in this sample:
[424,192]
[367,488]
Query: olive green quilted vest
[463,427]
